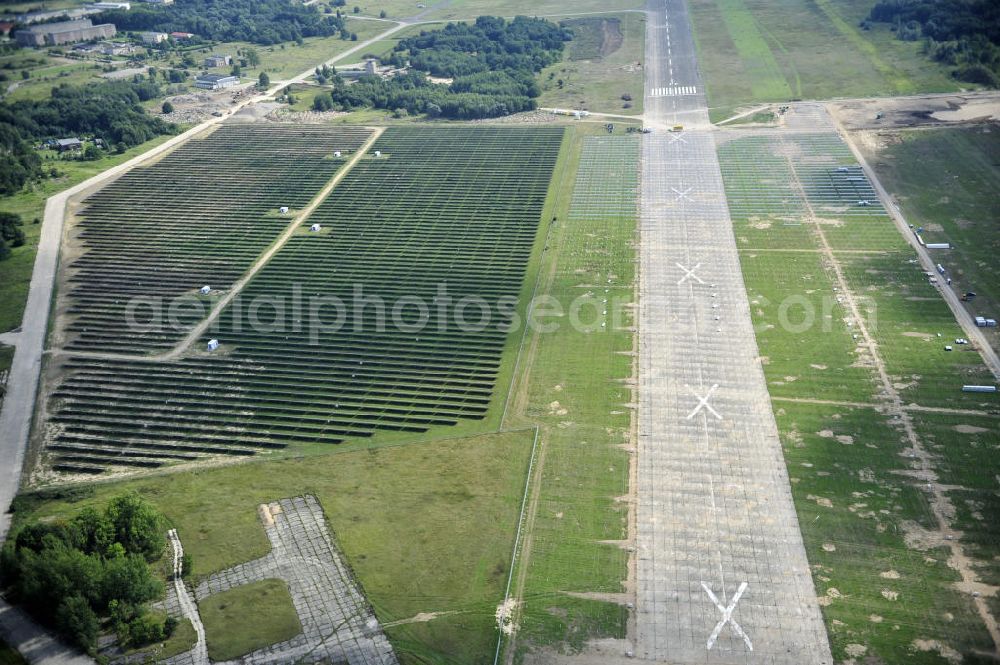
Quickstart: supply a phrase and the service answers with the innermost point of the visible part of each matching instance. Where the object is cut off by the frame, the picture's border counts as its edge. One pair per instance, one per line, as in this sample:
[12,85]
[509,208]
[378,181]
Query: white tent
[213,344]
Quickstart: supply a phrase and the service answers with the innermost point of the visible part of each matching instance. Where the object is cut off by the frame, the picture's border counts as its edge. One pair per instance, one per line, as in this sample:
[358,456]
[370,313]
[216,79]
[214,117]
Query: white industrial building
[215,81]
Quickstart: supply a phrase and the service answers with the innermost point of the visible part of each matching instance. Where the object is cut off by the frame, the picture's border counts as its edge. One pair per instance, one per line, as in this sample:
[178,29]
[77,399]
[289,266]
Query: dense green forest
[257,21]
[68,574]
[492,64]
[961,33]
[111,111]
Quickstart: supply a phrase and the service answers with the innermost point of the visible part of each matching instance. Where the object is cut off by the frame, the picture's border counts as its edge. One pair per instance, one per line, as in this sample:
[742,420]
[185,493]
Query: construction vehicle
[677,128]
[968,296]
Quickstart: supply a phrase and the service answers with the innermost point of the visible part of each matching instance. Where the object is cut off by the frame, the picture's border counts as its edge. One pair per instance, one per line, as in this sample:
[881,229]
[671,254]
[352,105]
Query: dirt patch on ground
[969,429]
[917,111]
[594,37]
[855,650]
[505,616]
[924,336]
[918,538]
[822,501]
[946,651]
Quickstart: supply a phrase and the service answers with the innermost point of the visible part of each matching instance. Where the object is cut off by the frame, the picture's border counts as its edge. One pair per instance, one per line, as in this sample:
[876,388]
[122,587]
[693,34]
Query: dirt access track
[938,110]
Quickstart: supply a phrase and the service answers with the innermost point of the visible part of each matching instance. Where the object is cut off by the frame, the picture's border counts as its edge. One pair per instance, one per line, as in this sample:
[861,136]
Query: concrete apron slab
[722,574]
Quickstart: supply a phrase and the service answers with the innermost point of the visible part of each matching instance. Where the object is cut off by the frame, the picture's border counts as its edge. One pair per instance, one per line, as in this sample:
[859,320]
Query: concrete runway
[722,574]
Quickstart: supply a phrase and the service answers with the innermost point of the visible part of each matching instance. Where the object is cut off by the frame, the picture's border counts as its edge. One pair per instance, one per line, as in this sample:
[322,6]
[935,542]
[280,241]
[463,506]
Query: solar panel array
[199,216]
[442,208]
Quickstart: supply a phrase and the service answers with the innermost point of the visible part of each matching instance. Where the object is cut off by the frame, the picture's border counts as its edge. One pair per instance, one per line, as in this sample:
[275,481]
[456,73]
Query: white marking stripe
[727,617]
[674,91]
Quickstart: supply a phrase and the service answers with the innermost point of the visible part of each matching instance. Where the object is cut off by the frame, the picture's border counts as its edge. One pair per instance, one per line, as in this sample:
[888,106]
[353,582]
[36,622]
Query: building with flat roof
[150,38]
[63,32]
[105,6]
[117,48]
[217,60]
[73,143]
[215,81]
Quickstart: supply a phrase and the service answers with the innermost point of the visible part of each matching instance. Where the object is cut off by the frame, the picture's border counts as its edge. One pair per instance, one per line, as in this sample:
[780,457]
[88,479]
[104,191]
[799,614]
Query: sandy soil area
[925,110]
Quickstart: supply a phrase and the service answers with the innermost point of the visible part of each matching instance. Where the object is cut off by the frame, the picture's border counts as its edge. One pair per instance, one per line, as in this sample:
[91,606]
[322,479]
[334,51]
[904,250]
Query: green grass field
[44,79]
[248,618]
[6,355]
[880,560]
[468,9]
[753,51]
[575,390]
[600,65]
[427,527]
[284,61]
[946,180]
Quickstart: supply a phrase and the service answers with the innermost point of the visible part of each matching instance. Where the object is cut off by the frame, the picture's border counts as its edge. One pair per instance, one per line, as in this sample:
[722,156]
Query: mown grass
[287,60]
[946,181]
[810,326]
[247,618]
[761,51]
[427,527]
[966,449]
[181,640]
[44,79]
[912,325]
[466,9]
[596,82]
[878,591]
[880,562]
[574,388]
[6,356]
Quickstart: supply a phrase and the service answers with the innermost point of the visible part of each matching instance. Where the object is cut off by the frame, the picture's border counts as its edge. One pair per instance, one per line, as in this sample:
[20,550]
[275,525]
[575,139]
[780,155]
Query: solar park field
[455,208]
[425,511]
[884,451]
[202,215]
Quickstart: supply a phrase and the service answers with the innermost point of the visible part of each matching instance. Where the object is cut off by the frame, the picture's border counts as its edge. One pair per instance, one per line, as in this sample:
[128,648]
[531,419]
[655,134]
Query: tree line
[69,574]
[965,35]
[492,64]
[110,110]
[257,21]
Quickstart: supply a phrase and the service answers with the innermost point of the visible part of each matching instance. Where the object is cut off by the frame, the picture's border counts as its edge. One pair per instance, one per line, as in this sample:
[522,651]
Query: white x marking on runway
[674,138]
[689,273]
[703,402]
[727,616]
[680,194]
